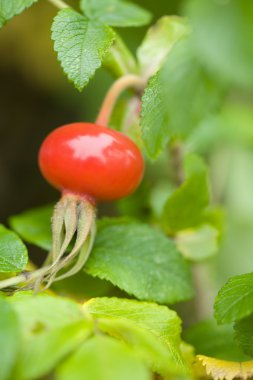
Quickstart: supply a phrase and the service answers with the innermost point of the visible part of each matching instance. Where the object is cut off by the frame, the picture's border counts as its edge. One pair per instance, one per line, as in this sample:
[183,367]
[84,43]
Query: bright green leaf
[34,226]
[118,13]
[169,108]
[162,358]
[13,253]
[235,299]
[140,260]
[11,8]
[219,44]
[244,334]
[158,42]
[43,351]
[184,208]
[159,320]
[198,244]
[212,340]
[9,338]
[44,312]
[103,358]
[80,44]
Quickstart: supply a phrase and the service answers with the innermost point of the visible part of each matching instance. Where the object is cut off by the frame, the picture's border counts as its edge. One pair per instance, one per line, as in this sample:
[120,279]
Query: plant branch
[127,81]
[59,4]
[23,277]
[177,163]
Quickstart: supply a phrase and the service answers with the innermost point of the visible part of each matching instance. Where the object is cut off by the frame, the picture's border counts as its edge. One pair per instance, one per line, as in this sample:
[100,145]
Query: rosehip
[90,160]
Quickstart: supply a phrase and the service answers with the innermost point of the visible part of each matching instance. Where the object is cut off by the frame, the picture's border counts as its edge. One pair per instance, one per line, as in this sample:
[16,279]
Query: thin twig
[59,4]
[127,81]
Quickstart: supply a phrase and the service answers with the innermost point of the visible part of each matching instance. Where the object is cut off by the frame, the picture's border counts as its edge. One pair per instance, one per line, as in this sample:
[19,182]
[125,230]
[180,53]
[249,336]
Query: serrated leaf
[212,340]
[13,253]
[9,338]
[158,42]
[42,352]
[118,13]
[34,226]
[221,47]
[140,260]
[235,299]
[11,8]
[168,107]
[80,44]
[226,370]
[103,358]
[244,334]
[185,207]
[159,320]
[198,244]
[44,312]
[162,358]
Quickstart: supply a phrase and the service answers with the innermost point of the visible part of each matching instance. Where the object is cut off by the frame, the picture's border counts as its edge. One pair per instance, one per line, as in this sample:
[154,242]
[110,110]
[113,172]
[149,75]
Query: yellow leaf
[223,369]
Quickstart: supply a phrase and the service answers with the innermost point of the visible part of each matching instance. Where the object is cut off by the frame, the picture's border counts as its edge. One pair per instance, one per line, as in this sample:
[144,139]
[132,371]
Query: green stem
[177,163]
[24,277]
[127,81]
[59,4]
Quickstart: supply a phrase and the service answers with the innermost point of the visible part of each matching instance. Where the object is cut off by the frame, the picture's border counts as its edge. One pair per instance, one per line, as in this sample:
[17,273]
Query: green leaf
[44,312]
[34,226]
[9,337]
[235,299]
[42,352]
[184,208]
[212,340]
[140,260]
[164,359]
[198,244]
[13,253]
[11,8]
[119,60]
[159,320]
[158,42]
[168,107]
[80,44]
[103,358]
[219,45]
[115,12]
[244,334]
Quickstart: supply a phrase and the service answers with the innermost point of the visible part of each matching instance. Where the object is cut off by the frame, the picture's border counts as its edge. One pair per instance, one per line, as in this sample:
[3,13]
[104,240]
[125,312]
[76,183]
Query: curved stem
[127,81]
[177,163]
[59,4]
[23,277]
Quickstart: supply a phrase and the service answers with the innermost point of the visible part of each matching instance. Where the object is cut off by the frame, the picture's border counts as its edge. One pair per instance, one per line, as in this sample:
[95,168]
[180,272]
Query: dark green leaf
[140,260]
[9,338]
[80,44]
[215,341]
[116,12]
[169,108]
[159,320]
[184,208]
[34,226]
[103,358]
[219,44]
[13,253]
[244,334]
[235,299]
[11,8]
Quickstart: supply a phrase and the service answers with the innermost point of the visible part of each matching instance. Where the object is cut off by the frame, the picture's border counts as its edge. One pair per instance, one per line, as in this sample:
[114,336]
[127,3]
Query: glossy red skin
[91,160]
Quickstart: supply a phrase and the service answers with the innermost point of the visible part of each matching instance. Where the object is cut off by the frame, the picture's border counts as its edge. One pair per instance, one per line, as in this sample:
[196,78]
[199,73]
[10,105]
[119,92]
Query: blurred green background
[36,97]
